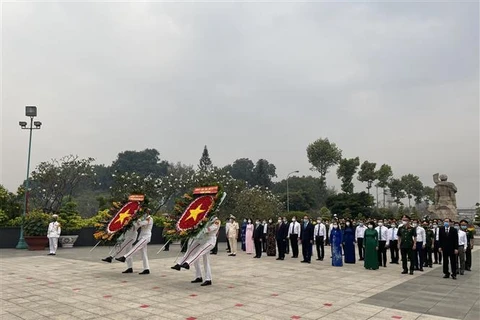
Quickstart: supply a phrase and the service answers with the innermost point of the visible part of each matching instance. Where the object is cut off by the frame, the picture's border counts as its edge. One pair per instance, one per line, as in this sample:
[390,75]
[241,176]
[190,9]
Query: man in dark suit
[448,239]
[257,238]
[281,233]
[306,236]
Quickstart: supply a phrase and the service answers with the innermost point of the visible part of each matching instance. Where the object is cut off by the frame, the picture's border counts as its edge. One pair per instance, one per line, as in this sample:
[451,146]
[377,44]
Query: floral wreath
[171,229]
[102,234]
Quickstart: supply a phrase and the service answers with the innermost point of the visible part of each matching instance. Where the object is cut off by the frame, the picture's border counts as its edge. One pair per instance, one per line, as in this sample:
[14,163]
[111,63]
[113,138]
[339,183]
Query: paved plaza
[75,284]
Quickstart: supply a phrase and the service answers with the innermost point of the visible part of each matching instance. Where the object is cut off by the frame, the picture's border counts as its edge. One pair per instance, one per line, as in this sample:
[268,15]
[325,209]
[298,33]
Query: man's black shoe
[108,259]
[121,259]
[129,270]
[404,272]
[304,261]
[176,267]
[197,280]
[411,272]
[454,277]
[446,276]
[185,266]
[421,269]
[146,271]
[206,283]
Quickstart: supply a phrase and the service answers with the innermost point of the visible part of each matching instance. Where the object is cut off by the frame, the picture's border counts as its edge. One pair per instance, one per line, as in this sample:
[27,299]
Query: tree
[384,174]
[323,154]
[428,194]
[241,169]
[298,201]
[413,187]
[263,173]
[346,170]
[396,190]
[257,203]
[367,174]
[10,204]
[54,180]
[310,187]
[325,214]
[357,203]
[144,163]
[205,161]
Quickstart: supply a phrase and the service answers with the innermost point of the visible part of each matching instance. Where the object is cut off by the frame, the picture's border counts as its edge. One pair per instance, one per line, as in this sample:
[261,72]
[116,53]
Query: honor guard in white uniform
[53,232]
[124,246]
[201,246]
[145,225]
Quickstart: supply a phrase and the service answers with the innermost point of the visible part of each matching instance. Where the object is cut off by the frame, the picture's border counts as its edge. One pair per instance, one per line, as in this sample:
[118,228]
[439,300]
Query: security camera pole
[30,111]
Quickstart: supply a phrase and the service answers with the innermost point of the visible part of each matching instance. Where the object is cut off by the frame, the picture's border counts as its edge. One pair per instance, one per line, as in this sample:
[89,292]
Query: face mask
[360,224]
[370,226]
[414,225]
[318,221]
[446,224]
[264,222]
[425,226]
[380,224]
[305,220]
[463,227]
[279,221]
[270,221]
[249,221]
[257,223]
[457,227]
[335,226]
[348,223]
[294,219]
[393,226]
[244,220]
[435,225]
[404,222]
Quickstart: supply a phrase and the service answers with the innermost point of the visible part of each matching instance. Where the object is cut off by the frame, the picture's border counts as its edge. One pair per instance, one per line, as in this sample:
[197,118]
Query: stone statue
[445,200]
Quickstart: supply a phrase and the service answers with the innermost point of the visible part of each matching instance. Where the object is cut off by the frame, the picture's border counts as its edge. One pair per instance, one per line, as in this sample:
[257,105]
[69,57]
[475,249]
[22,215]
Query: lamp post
[30,111]
[288,199]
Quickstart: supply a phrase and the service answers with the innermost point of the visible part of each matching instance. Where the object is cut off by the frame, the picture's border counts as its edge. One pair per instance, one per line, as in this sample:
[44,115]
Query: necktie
[380,233]
[446,230]
[435,234]
[318,231]
[393,233]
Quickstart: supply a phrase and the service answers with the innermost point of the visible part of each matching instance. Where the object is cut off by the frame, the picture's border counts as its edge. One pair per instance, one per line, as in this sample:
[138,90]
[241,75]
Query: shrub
[36,223]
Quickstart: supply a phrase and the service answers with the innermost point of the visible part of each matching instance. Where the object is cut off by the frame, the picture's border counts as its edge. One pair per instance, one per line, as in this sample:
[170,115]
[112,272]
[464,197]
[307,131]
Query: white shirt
[294,228]
[131,234]
[462,238]
[392,232]
[320,230]
[382,233]
[54,230]
[360,232]
[265,227]
[436,233]
[227,226]
[146,226]
[421,235]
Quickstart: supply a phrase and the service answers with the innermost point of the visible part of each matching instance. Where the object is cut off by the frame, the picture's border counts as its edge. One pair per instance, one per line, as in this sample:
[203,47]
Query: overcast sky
[394,83]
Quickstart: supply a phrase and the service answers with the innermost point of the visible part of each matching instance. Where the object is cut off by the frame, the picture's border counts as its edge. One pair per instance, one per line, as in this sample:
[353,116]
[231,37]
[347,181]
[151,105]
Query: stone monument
[445,205]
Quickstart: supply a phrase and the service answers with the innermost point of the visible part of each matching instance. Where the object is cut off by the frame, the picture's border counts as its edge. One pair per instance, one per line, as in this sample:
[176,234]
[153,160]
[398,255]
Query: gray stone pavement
[75,284]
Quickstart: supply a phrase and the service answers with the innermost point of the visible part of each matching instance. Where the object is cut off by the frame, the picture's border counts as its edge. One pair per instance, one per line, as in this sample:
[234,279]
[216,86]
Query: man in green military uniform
[407,241]
[428,244]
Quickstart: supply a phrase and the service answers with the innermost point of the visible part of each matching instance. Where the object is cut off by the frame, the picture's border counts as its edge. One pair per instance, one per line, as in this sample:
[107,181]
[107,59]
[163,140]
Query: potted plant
[35,225]
[71,223]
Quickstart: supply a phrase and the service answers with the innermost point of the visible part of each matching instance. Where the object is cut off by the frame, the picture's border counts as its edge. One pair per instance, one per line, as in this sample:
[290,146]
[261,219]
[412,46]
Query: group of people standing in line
[422,243]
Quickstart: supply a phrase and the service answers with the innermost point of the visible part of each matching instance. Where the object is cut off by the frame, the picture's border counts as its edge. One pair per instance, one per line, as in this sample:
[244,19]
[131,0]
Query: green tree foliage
[263,173]
[367,174]
[70,220]
[241,169]
[396,190]
[325,214]
[309,187]
[10,204]
[205,161]
[323,154]
[256,203]
[298,201]
[357,203]
[345,172]
[55,180]
[428,194]
[413,188]
[384,174]
[144,163]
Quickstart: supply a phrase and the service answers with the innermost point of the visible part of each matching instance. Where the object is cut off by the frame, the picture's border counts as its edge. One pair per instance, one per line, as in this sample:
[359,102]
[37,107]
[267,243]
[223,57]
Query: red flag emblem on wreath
[195,212]
[123,216]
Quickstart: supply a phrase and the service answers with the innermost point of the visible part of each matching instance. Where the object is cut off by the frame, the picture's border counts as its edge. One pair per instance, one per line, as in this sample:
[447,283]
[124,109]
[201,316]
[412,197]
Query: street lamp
[30,111]
[288,199]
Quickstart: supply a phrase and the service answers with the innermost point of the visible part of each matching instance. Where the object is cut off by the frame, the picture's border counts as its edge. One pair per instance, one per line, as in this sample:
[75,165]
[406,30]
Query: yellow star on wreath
[195,212]
[123,216]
